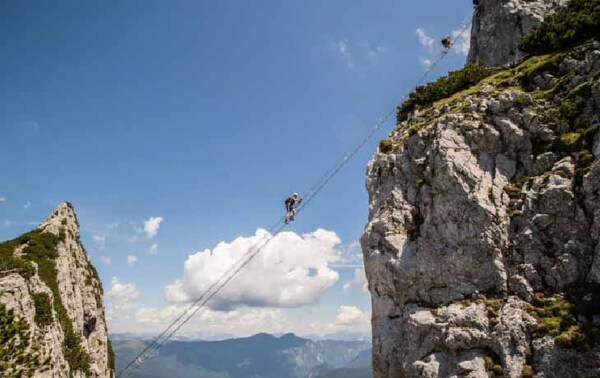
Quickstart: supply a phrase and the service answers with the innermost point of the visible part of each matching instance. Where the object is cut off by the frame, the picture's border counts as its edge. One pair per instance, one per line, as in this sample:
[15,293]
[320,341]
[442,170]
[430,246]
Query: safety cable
[159,341]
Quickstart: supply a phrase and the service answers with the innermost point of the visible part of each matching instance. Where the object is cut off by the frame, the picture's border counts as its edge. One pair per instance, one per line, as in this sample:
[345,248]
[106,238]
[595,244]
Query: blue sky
[205,115]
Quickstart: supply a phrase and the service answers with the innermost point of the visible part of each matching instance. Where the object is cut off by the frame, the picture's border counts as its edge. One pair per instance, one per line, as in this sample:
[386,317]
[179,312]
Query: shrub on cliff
[41,248]
[16,360]
[575,23]
[444,87]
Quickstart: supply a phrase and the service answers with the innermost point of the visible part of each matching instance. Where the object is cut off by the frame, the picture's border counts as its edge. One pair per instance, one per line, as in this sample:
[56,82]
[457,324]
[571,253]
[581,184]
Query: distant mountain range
[258,356]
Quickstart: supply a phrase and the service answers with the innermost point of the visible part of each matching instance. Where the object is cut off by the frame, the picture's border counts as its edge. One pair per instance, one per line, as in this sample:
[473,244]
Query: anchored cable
[193,308]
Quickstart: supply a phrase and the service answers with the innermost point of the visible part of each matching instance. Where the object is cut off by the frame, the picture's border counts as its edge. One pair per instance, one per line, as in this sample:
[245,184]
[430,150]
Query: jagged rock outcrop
[482,247]
[498,26]
[47,280]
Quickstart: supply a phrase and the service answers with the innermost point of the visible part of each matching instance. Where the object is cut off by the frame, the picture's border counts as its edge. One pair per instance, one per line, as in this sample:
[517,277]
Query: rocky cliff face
[51,294]
[498,25]
[481,249]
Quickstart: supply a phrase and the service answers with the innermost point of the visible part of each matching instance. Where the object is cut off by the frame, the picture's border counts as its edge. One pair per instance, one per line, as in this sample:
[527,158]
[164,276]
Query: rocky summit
[51,311]
[481,248]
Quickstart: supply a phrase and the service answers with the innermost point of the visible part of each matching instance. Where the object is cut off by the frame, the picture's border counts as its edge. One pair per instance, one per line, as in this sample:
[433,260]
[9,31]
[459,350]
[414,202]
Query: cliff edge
[482,246]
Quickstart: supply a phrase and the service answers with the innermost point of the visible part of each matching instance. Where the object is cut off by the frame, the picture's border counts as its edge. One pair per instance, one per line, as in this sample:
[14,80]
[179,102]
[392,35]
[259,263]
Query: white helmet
[295,195]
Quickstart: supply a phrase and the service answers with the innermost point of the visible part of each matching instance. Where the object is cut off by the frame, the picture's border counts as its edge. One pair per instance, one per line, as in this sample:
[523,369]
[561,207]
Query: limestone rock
[80,294]
[480,209]
[498,26]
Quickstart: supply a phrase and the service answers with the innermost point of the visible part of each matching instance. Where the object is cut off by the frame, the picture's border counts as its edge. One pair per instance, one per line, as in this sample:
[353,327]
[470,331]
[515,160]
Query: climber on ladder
[447,43]
[290,204]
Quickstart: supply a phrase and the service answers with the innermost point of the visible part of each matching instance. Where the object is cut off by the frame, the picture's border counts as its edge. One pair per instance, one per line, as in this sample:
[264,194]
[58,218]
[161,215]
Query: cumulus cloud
[151,226]
[462,41]
[27,205]
[352,318]
[351,253]
[242,322]
[221,321]
[153,250]
[210,324]
[105,260]
[359,282]
[2,200]
[131,259]
[291,271]
[425,40]
[122,295]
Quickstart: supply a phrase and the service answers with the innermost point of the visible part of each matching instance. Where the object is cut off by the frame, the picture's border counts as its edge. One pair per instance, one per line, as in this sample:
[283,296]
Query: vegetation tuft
[527,371]
[569,319]
[386,146]
[444,87]
[43,309]
[16,359]
[41,248]
[569,142]
[571,25]
[11,264]
[493,366]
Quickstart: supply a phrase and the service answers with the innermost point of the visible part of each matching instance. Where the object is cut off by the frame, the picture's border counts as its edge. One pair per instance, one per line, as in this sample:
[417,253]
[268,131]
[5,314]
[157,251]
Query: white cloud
[351,317]
[153,249]
[291,271]
[99,239]
[242,322]
[112,226]
[2,200]
[344,50]
[105,260]
[375,52]
[151,226]
[6,223]
[27,205]
[122,295]
[131,259]
[462,41]
[425,40]
[425,62]
[359,54]
[351,253]
[359,282]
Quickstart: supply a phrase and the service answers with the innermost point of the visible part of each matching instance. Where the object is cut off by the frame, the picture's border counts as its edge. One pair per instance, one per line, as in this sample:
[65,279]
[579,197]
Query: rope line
[159,341]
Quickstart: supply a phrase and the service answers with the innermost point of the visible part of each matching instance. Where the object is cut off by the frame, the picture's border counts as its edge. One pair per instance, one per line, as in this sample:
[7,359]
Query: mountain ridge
[261,355]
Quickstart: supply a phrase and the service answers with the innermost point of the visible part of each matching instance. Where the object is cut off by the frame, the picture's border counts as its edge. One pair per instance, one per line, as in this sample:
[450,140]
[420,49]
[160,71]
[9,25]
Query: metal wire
[159,341]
